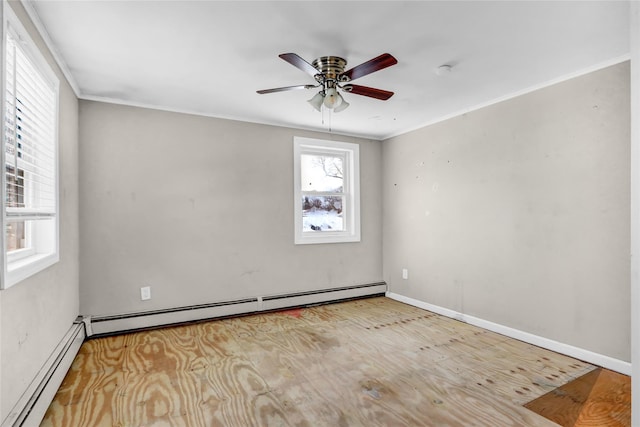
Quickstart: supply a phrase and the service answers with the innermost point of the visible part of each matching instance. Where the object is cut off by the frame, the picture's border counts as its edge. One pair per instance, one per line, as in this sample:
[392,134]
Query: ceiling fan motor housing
[330,67]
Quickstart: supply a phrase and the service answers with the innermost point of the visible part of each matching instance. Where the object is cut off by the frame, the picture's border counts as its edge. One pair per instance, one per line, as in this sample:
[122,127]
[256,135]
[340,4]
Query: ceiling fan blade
[297,61]
[369,91]
[376,64]
[282,89]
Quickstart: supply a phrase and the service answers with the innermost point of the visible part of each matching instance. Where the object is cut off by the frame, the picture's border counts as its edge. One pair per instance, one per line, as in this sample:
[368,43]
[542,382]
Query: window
[327,191]
[30,217]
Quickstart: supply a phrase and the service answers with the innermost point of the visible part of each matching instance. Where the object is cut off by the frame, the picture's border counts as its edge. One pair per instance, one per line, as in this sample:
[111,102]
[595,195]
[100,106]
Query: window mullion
[322,193]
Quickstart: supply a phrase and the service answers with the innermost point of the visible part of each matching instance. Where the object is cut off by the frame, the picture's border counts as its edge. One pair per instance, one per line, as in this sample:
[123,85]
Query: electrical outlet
[145,293]
[405,273]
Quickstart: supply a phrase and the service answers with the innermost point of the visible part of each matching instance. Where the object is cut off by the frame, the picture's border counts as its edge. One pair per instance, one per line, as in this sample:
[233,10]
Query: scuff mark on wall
[23,339]
[249,272]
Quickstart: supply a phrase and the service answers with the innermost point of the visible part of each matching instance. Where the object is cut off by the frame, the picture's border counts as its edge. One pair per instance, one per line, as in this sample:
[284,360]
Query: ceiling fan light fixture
[316,101]
[329,72]
[332,98]
[343,105]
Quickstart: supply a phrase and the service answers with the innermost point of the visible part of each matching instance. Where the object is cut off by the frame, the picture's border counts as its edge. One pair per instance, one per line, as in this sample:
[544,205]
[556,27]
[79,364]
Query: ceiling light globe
[343,105]
[316,101]
[332,98]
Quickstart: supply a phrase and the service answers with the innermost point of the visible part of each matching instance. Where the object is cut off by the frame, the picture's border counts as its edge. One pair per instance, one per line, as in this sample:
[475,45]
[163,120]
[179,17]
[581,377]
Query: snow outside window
[327,191]
[29,152]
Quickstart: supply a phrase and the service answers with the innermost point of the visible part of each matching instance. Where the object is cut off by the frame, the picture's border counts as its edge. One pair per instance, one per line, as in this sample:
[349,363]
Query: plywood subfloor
[371,362]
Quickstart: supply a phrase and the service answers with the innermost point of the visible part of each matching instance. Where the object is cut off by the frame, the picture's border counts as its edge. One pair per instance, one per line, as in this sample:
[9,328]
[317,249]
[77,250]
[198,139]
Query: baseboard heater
[108,325]
[31,407]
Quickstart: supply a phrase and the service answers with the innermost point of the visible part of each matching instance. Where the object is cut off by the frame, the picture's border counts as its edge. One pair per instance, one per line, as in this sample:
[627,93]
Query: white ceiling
[210,57]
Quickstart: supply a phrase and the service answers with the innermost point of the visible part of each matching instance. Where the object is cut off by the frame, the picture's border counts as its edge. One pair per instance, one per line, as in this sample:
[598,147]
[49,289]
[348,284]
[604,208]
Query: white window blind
[30,115]
[29,138]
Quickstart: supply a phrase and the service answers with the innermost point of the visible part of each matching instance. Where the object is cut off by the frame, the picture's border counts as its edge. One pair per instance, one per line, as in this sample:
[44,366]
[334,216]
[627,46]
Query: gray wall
[201,210]
[36,313]
[518,213]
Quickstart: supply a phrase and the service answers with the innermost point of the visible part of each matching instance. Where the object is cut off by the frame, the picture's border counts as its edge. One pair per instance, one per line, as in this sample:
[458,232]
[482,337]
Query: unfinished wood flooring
[371,362]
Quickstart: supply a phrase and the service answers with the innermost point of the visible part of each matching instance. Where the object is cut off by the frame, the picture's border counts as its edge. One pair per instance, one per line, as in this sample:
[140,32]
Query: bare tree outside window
[323,196]
[331,166]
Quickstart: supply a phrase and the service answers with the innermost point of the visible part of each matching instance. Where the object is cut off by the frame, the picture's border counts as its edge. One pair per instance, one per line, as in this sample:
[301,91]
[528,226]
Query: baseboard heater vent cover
[274,302]
[31,408]
[107,325]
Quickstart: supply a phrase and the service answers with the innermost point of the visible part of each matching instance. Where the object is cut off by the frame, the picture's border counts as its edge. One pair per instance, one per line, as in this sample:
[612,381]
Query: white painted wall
[635,212]
[518,213]
[201,210]
[36,313]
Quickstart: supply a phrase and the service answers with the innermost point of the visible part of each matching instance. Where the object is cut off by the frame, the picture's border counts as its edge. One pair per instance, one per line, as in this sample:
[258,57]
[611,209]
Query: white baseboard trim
[569,350]
[31,407]
[104,325]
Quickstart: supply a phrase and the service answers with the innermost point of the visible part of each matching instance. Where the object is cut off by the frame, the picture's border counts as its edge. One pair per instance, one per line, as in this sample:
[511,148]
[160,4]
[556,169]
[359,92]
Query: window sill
[23,268]
[325,237]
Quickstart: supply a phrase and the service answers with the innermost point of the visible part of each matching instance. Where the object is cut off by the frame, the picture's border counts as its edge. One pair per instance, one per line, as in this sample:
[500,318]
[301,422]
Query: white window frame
[351,186]
[43,235]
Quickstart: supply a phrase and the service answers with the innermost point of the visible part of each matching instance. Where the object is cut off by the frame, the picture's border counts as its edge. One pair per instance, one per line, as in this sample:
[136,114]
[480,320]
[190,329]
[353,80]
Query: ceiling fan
[328,71]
